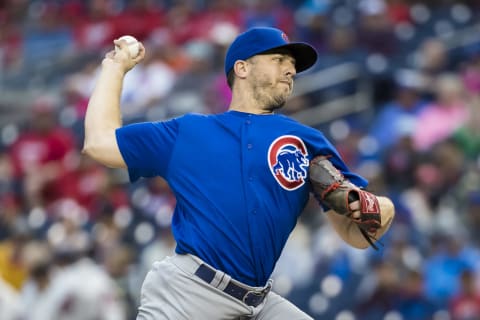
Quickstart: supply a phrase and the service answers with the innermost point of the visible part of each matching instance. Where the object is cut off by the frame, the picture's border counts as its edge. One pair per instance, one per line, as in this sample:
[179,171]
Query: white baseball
[133,45]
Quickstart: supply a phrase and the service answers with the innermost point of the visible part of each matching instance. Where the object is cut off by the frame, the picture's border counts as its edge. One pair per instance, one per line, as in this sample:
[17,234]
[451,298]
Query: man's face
[271,78]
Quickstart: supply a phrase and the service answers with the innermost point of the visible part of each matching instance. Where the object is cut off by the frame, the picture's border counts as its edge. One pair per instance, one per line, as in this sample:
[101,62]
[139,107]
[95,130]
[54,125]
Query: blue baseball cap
[261,39]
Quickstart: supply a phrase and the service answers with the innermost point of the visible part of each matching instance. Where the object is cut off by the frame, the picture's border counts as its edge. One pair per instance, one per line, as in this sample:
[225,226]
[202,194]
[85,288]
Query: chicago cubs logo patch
[288,162]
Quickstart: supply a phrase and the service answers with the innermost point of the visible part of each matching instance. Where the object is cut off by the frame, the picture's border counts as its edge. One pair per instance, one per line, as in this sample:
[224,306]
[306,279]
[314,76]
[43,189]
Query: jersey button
[249,146]
[254,212]
[250,178]
[248,122]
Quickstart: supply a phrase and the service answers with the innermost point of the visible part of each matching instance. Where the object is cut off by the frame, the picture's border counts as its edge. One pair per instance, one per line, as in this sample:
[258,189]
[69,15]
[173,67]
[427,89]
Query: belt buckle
[257,297]
[253,298]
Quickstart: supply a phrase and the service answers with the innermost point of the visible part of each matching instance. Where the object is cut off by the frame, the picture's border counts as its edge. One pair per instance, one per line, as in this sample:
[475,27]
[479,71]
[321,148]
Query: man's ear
[240,68]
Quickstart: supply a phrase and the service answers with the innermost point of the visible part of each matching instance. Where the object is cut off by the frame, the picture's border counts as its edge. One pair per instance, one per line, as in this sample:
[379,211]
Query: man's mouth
[288,83]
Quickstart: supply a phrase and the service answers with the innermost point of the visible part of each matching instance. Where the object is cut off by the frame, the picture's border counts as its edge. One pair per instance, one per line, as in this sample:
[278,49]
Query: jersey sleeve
[147,147]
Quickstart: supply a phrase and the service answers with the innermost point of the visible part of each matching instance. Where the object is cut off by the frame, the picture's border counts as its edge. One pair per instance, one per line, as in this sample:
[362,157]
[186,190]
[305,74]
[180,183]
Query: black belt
[249,297]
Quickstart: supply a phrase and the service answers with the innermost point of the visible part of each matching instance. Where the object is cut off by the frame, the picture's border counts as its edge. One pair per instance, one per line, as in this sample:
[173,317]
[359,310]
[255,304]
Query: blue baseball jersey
[240,181]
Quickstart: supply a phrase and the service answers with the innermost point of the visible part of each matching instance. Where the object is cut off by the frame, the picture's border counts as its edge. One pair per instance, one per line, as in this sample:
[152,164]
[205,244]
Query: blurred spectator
[78,87]
[375,30]
[118,264]
[78,289]
[398,11]
[192,87]
[12,217]
[108,231]
[218,16]
[348,147]
[147,85]
[156,201]
[473,213]
[444,267]
[377,293]
[431,60]
[74,286]
[413,304]
[399,117]
[444,115]
[313,23]
[73,12]
[40,153]
[139,18]
[450,161]
[10,303]
[467,136]
[182,22]
[38,259]
[424,199]
[89,185]
[466,304]
[405,251]
[12,267]
[97,29]
[399,162]
[470,71]
[340,47]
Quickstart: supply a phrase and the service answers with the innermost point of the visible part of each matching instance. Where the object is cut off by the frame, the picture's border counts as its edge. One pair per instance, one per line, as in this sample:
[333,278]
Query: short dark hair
[231,78]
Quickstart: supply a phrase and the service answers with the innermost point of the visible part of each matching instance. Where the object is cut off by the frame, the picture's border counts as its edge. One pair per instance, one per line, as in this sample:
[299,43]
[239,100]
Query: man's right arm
[103,115]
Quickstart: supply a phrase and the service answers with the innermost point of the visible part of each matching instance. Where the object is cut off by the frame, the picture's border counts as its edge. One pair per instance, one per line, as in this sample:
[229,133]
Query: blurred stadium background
[396,88]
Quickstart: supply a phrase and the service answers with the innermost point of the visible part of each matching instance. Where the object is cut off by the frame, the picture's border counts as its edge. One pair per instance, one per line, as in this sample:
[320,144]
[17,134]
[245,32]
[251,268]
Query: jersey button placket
[248,122]
[250,179]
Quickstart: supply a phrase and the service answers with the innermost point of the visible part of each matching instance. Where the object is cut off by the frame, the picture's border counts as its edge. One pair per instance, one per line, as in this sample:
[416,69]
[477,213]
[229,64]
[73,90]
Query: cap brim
[305,55]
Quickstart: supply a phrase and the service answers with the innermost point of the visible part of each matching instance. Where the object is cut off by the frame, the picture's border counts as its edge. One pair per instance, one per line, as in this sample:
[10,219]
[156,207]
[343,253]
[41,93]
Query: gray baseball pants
[172,291]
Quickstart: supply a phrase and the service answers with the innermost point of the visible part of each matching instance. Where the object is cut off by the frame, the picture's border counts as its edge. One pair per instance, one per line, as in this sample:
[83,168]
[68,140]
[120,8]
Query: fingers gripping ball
[330,188]
[133,45]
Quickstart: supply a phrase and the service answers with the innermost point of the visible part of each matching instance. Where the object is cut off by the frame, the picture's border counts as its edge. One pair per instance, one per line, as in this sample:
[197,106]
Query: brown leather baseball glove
[332,189]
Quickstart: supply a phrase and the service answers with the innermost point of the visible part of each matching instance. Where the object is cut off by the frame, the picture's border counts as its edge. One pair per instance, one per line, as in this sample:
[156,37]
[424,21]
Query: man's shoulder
[291,120]
[294,123]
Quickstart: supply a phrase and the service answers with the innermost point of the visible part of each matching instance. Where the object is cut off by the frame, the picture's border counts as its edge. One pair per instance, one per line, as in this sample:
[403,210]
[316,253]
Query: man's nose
[290,70]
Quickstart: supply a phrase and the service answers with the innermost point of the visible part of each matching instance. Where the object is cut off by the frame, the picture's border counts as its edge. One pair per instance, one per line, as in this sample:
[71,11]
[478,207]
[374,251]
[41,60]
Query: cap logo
[285,37]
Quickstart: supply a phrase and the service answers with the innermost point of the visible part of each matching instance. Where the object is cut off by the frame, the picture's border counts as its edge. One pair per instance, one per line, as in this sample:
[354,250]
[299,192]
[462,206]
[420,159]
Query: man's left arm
[359,217]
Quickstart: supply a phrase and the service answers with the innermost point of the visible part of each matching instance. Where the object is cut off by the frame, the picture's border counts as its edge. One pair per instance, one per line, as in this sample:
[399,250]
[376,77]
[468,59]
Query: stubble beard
[268,97]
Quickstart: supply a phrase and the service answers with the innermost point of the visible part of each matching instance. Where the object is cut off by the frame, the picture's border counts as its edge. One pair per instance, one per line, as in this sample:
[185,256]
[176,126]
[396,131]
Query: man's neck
[243,102]
[233,107]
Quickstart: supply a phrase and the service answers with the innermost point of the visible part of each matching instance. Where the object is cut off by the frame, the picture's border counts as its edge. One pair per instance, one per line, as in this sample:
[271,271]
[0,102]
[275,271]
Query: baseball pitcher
[241,179]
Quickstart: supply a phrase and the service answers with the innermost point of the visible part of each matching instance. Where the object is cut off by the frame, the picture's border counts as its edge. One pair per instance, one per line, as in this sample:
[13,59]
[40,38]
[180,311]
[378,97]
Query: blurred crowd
[76,239]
